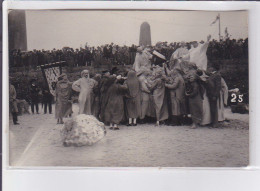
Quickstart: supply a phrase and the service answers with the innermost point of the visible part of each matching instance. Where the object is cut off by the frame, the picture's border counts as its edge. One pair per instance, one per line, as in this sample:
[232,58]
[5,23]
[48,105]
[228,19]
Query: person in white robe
[142,59]
[180,52]
[85,86]
[222,100]
[197,54]
[142,67]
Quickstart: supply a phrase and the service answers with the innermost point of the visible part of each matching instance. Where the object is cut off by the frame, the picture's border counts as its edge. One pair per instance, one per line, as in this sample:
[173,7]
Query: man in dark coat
[34,96]
[47,100]
[213,87]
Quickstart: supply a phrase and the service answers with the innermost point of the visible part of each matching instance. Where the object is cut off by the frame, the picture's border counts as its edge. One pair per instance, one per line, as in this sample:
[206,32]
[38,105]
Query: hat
[159,55]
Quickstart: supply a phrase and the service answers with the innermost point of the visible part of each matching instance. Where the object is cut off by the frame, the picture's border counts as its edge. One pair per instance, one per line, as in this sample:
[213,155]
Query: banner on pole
[51,72]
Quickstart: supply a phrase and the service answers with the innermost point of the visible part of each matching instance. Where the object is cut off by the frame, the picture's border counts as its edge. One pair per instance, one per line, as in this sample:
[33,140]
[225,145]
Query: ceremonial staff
[219,31]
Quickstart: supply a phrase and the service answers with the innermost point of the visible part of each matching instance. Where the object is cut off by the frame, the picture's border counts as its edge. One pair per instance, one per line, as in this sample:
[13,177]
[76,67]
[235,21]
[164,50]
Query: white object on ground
[82,130]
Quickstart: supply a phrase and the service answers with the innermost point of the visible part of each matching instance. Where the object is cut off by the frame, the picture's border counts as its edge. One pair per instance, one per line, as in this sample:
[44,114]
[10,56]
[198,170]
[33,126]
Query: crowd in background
[120,55]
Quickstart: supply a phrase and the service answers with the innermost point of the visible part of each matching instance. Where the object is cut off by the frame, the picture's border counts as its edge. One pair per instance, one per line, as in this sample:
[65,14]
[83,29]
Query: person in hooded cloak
[63,105]
[176,87]
[157,87]
[85,86]
[133,101]
[114,103]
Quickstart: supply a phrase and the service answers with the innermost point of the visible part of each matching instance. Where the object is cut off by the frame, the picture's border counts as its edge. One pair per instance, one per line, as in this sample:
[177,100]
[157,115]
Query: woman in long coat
[114,104]
[85,86]
[177,97]
[63,98]
[157,87]
[133,102]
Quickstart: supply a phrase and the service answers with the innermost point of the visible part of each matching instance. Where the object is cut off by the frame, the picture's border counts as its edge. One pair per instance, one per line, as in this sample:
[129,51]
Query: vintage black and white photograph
[128,88]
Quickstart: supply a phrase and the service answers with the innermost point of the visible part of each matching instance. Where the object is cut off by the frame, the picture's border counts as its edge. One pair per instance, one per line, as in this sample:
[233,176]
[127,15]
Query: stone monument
[145,35]
[17,30]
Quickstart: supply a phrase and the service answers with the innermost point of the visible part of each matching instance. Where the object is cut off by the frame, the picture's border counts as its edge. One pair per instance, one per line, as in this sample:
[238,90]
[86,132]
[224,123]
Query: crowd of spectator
[120,55]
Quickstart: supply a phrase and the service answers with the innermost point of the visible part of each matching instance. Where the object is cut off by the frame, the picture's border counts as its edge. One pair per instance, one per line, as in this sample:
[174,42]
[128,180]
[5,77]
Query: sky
[48,29]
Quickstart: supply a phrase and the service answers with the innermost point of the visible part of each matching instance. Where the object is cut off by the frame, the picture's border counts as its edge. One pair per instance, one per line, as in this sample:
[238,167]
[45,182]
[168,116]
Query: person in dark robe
[47,100]
[34,96]
[13,104]
[133,101]
[96,102]
[105,83]
[114,104]
[193,91]
[63,105]
[176,86]
[213,88]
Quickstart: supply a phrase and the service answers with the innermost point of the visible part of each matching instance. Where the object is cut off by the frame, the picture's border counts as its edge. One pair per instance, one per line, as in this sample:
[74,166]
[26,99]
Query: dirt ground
[36,142]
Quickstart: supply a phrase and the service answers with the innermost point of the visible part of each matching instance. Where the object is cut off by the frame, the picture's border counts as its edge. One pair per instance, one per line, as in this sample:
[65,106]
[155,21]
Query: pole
[219,32]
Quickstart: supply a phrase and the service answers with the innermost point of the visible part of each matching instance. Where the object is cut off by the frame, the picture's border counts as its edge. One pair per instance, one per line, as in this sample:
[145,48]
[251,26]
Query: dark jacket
[213,85]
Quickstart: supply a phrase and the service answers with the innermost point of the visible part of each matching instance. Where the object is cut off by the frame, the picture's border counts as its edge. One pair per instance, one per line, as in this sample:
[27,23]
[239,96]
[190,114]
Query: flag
[51,72]
[217,18]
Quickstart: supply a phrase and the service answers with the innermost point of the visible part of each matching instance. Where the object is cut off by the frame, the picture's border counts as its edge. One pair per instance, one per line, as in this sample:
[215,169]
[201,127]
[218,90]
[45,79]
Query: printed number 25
[234,98]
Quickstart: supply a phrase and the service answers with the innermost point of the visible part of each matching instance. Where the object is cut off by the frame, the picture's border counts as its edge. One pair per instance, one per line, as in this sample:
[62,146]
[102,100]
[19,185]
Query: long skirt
[177,106]
[221,108]
[85,106]
[95,108]
[147,107]
[160,104]
[206,116]
[62,109]
[195,106]
[114,111]
[133,107]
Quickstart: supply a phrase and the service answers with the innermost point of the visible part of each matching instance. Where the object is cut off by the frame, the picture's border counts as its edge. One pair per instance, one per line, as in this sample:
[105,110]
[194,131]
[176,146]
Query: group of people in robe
[172,92]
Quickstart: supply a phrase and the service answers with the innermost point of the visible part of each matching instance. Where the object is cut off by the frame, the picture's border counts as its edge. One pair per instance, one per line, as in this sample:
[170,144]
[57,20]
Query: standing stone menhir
[145,35]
